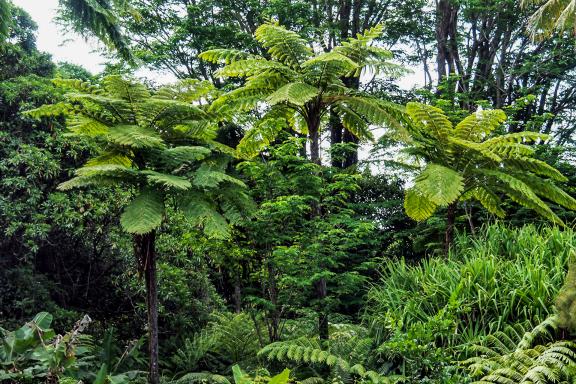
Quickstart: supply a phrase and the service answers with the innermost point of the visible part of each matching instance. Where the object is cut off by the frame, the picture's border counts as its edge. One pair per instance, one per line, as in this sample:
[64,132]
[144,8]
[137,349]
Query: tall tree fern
[296,87]
[160,146]
[467,162]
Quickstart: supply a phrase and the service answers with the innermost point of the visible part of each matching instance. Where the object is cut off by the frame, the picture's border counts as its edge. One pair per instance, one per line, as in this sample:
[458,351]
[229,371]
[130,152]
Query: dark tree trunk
[449,235]
[321,293]
[237,296]
[314,134]
[144,250]
[336,130]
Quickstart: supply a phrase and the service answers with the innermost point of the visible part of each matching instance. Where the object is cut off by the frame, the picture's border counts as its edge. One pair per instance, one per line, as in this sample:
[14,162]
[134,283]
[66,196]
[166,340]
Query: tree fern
[469,162]
[161,146]
[306,83]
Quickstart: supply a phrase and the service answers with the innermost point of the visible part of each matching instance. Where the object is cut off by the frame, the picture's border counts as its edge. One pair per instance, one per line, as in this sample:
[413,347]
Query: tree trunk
[144,250]
[321,293]
[314,132]
[449,235]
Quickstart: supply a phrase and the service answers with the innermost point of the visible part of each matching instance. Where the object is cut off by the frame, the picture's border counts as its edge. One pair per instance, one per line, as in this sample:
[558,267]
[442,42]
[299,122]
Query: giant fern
[302,86]
[161,146]
[469,162]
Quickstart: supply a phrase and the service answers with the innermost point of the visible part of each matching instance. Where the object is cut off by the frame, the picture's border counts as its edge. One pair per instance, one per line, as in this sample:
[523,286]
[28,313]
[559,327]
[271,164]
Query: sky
[71,48]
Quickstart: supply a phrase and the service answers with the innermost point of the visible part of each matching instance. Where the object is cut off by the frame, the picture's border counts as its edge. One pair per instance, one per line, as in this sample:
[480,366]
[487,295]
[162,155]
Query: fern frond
[297,94]
[49,110]
[135,136]
[537,167]
[124,89]
[489,200]
[430,119]
[259,136]
[480,124]
[144,213]
[417,205]
[283,45]
[166,180]
[440,185]
[225,56]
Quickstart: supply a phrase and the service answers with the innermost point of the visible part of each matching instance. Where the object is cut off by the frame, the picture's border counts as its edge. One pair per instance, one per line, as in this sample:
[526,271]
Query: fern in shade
[466,162]
[161,146]
[299,87]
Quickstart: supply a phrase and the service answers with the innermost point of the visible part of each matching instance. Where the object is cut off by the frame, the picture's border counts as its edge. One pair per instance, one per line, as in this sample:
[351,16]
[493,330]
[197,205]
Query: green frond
[478,148]
[548,190]
[353,122]
[167,180]
[417,205]
[98,18]
[77,86]
[206,177]
[522,194]
[144,213]
[338,64]
[375,111]
[106,170]
[252,67]
[439,185]
[49,110]
[551,16]
[225,56]
[110,158]
[283,45]
[124,89]
[537,167]
[517,137]
[167,113]
[85,181]
[480,124]
[259,136]
[202,213]
[489,200]
[86,126]
[240,100]
[187,90]
[178,155]
[293,93]
[430,119]
[134,136]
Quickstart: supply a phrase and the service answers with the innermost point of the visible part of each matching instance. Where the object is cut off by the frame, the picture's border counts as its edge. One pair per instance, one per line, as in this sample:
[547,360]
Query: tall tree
[469,162]
[161,147]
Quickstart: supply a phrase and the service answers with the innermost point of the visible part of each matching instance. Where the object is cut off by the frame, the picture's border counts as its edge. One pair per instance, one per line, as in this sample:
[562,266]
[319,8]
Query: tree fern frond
[489,200]
[431,119]
[259,136]
[225,56]
[135,136]
[49,110]
[535,166]
[297,94]
[167,180]
[417,205]
[252,67]
[144,213]
[480,124]
[114,158]
[285,46]
[440,185]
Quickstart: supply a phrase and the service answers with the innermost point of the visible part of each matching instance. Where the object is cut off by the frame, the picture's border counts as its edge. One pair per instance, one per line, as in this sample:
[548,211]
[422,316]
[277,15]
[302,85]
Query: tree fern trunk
[449,235]
[144,250]
[322,292]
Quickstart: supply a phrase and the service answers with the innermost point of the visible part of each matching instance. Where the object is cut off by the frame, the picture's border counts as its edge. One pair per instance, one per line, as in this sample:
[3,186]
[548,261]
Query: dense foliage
[289,208]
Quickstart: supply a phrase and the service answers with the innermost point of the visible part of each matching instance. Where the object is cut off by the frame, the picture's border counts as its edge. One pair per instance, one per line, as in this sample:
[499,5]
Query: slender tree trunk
[321,293]
[449,235]
[144,250]
[237,296]
[314,132]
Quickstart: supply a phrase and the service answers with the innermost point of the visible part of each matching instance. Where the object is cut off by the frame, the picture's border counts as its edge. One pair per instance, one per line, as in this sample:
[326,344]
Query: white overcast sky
[51,38]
